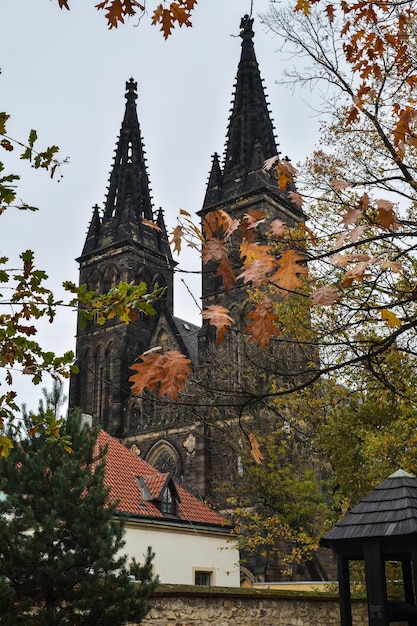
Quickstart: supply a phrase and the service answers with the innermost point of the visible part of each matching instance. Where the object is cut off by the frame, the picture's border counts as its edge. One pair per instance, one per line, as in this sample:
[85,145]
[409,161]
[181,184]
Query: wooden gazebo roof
[389,511]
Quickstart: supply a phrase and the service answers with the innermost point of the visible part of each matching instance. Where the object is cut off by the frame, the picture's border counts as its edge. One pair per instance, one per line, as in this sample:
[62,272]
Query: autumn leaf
[325,296]
[386,215]
[269,163]
[394,266]
[338,184]
[255,449]
[285,174]
[305,229]
[177,235]
[286,278]
[391,318]
[217,223]
[219,317]
[330,12]
[215,250]
[166,373]
[343,260]
[356,233]
[351,217]
[297,198]
[259,263]
[263,326]
[151,224]
[277,228]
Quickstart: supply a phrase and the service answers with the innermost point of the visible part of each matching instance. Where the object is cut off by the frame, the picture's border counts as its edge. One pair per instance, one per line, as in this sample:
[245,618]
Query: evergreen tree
[59,539]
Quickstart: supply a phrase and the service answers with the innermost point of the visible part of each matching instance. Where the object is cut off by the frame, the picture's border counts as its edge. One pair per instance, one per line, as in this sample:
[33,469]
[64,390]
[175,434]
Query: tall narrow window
[168,504]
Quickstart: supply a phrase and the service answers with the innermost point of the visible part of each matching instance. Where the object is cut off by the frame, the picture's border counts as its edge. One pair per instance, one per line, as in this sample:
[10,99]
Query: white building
[192,543]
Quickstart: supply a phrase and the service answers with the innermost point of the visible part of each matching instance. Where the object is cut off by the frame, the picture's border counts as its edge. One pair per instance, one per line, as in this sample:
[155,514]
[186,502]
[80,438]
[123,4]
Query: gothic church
[122,246]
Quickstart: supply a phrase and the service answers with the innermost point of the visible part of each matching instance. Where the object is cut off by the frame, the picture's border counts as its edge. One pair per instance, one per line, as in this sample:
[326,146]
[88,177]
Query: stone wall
[246,607]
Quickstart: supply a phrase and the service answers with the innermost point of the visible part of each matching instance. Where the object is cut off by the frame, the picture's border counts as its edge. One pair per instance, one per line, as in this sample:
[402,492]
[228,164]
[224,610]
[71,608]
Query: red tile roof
[123,468]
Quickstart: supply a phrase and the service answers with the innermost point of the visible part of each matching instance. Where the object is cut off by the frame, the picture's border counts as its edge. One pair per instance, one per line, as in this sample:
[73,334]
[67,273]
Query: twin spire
[250,140]
[128,200]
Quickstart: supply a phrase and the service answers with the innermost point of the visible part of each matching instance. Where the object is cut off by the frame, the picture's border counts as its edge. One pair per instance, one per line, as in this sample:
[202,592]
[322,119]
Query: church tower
[240,185]
[120,245]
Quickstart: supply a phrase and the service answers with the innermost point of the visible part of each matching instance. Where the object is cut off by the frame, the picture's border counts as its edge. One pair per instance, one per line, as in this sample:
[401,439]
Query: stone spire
[128,200]
[128,196]
[250,135]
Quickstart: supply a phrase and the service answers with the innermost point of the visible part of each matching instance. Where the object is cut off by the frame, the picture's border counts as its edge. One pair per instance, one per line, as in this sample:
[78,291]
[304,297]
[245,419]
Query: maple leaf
[255,449]
[166,372]
[325,296]
[286,277]
[151,224]
[263,326]
[219,317]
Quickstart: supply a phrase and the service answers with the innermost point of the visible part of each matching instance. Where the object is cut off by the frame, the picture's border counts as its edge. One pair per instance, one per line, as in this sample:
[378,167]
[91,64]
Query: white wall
[179,552]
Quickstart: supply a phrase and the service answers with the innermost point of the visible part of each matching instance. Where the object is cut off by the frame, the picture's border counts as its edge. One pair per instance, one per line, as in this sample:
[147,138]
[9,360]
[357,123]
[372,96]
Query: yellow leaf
[391,318]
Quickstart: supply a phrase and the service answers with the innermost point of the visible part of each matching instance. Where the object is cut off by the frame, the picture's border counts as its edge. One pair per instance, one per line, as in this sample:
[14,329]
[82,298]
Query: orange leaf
[177,235]
[151,224]
[258,263]
[255,449]
[215,250]
[166,372]
[263,326]
[286,278]
[216,223]
[219,317]
[285,174]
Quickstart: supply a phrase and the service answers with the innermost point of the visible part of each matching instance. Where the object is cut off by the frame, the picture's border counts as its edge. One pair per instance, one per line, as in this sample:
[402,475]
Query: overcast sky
[64,74]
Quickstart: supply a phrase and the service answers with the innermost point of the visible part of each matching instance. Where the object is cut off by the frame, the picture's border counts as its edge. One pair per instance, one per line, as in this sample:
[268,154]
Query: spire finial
[246,30]
[131,90]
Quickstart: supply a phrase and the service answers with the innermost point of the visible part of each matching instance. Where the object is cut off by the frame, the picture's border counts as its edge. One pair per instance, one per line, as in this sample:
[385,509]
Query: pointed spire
[214,183]
[93,232]
[250,136]
[128,197]
[128,203]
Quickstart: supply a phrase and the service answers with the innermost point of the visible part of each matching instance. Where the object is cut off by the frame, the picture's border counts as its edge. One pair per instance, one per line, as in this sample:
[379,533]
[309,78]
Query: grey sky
[64,73]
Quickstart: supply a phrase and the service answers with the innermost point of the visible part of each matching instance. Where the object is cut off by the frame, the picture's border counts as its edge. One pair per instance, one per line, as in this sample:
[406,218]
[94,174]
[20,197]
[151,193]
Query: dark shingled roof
[389,511]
